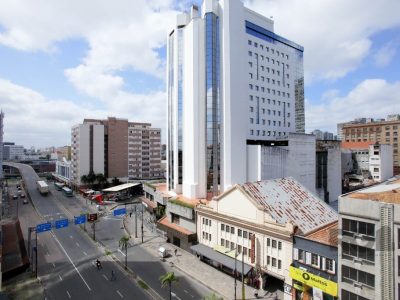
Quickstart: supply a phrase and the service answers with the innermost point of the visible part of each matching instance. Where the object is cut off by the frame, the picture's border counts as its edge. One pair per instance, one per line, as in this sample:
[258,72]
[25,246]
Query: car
[22,195]
[25,201]
[15,197]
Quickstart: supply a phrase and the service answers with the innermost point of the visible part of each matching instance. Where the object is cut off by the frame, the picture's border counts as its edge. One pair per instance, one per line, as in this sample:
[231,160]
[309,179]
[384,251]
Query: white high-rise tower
[231,82]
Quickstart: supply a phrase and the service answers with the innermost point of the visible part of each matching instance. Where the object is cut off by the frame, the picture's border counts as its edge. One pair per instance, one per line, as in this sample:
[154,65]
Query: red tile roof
[164,221]
[327,235]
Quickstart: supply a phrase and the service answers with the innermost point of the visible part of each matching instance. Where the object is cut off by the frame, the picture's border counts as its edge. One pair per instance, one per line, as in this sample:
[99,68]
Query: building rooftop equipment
[388,191]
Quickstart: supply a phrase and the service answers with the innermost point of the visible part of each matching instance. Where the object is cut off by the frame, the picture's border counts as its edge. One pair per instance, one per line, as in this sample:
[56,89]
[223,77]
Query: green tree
[101,179]
[91,178]
[167,280]
[124,243]
[84,179]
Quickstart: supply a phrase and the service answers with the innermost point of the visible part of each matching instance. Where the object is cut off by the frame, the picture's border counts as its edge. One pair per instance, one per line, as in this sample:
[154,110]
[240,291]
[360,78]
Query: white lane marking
[84,253]
[77,244]
[105,277]
[186,291]
[119,250]
[118,292]
[69,295]
[174,295]
[79,273]
[48,253]
[54,265]
[70,236]
[60,277]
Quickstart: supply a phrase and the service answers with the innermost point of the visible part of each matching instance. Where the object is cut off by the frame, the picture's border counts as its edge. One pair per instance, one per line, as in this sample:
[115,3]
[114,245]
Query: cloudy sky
[63,60]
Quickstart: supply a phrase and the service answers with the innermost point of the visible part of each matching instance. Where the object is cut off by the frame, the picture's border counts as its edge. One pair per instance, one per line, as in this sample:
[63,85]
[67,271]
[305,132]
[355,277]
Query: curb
[190,275]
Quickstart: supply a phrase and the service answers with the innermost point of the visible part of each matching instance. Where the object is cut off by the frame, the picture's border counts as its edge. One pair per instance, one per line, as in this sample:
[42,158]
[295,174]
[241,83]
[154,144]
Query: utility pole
[36,260]
[234,275]
[142,224]
[243,290]
[94,230]
[135,221]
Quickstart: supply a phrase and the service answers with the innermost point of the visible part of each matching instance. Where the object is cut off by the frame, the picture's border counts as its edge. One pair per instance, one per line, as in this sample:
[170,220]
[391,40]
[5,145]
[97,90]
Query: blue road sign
[62,223]
[80,219]
[121,211]
[43,227]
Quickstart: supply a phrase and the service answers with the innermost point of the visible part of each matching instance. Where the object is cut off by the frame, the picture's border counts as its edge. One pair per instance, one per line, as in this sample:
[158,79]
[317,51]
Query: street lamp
[235,271]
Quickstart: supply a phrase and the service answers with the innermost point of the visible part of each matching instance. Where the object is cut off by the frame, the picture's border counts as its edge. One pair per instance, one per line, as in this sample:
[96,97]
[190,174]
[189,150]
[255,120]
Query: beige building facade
[384,132]
[128,150]
[257,221]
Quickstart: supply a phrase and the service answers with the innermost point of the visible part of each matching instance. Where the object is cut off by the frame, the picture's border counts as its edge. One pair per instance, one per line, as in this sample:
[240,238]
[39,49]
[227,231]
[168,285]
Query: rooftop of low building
[327,235]
[286,200]
[388,192]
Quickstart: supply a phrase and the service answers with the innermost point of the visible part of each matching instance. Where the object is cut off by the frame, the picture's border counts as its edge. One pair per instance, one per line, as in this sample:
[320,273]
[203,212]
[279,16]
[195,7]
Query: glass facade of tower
[170,136]
[212,103]
[180,103]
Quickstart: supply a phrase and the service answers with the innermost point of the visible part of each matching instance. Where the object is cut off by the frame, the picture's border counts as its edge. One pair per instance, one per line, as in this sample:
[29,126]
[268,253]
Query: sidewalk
[215,280]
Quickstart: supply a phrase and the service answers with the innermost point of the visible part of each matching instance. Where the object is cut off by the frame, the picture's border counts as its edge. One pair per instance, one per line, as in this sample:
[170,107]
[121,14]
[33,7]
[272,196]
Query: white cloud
[375,98]
[32,119]
[385,54]
[336,34]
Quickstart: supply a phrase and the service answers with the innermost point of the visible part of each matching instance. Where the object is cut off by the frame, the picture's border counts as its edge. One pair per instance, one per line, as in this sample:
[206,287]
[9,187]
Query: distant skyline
[62,61]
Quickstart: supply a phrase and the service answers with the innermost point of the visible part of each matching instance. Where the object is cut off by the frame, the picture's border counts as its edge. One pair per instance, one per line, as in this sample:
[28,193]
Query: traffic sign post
[120,211]
[80,219]
[62,223]
[43,227]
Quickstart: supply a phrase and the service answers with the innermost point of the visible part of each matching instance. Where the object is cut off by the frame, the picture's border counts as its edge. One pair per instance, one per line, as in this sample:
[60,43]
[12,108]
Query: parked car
[15,197]
[22,195]
[25,201]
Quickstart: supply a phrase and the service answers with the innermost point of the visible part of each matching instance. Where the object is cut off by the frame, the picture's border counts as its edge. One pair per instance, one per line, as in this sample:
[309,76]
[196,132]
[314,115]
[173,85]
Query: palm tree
[101,179]
[168,279]
[91,177]
[84,179]
[123,243]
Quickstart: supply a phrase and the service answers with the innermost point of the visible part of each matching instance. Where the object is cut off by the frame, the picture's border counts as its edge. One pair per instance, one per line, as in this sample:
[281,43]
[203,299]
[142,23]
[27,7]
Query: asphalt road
[66,256]
[110,229]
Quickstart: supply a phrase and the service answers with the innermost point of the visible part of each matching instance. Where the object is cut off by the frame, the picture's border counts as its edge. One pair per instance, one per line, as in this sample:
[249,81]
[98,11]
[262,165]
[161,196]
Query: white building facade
[63,170]
[230,80]
[87,150]
[381,161]
[257,220]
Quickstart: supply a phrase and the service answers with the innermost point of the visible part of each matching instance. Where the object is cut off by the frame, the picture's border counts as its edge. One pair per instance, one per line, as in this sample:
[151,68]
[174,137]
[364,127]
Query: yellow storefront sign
[327,286]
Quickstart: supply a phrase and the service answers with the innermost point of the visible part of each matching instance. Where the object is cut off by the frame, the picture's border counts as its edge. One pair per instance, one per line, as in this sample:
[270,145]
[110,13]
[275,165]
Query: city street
[66,256]
[143,263]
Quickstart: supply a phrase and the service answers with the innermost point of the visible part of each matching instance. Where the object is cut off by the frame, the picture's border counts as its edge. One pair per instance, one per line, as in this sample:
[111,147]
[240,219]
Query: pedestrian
[130,215]
[113,277]
[176,251]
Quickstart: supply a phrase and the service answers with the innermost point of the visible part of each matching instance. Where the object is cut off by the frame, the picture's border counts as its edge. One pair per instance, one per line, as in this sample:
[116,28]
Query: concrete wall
[98,149]
[117,148]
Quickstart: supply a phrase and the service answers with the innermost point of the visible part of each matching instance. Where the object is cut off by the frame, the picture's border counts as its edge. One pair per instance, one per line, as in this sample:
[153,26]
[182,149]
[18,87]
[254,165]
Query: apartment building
[129,150]
[257,221]
[383,132]
[314,267]
[250,93]
[369,248]
[371,160]
[87,150]
[63,171]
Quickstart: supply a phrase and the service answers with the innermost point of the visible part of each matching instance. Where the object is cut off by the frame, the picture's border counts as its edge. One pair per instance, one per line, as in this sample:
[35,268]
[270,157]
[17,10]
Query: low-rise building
[257,221]
[292,155]
[328,175]
[315,260]
[63,171]
[369,242]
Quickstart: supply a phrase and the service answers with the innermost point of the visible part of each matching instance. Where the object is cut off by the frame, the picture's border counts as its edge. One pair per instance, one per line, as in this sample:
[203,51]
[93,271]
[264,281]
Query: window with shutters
[330,265]
[315,260]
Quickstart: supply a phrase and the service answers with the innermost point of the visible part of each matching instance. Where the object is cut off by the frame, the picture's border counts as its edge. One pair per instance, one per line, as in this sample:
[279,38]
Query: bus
[59,186]
[42,187]
[67,191]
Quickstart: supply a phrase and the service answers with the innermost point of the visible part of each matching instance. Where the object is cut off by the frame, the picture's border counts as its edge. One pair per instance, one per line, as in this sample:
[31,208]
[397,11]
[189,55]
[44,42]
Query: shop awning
[221,258]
